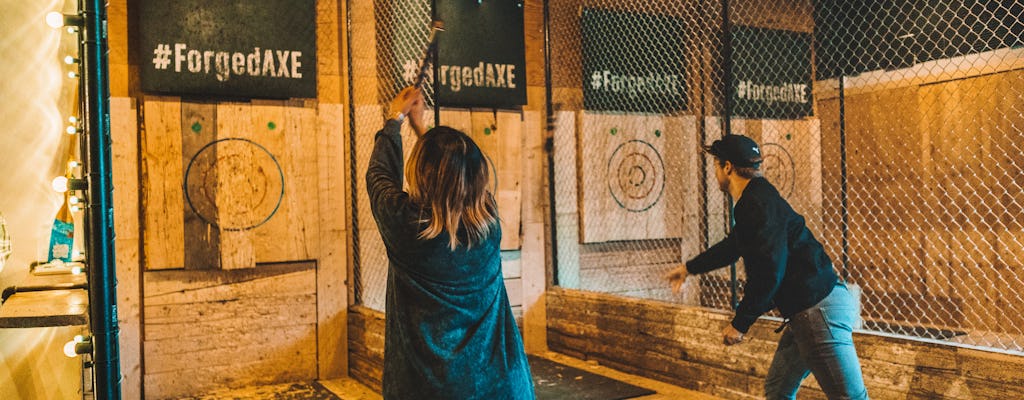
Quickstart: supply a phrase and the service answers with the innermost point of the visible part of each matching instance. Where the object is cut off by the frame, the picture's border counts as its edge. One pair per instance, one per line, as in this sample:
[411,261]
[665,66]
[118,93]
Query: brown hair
[744,172]
[448,177]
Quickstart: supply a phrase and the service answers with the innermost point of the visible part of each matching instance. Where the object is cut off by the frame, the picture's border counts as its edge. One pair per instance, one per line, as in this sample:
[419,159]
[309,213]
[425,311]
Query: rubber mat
[553,381]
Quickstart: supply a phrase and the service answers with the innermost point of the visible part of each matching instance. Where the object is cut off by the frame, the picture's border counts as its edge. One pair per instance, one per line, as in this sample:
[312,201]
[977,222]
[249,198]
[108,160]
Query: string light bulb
[60,184]
[71,129]
[56,20]
[70,60]
[78,345]
[72,74]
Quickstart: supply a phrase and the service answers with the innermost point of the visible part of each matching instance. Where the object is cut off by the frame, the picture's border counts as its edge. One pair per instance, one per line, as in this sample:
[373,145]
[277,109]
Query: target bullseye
[636,175]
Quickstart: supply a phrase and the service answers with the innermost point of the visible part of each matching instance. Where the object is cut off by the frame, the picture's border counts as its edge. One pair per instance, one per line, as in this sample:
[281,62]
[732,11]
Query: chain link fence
[895,128]
[385,49]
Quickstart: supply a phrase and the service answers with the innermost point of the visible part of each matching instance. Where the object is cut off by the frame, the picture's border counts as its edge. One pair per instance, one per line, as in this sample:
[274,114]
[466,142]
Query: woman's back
[450,332]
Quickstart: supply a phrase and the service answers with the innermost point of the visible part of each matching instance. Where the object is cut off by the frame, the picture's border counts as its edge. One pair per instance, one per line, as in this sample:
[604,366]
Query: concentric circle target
[244,167]
[778,167]
[636,175]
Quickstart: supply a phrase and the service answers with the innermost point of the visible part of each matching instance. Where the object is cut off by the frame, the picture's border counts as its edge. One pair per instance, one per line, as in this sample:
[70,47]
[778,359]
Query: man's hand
[731,336]
[676,277]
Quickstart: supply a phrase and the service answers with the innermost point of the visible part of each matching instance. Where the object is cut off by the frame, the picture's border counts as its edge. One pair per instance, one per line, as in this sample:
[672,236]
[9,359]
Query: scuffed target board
[228,185]
[629,177]
[792,161]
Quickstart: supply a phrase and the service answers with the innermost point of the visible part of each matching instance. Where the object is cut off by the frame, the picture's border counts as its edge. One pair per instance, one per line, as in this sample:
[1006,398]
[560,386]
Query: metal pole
[727,123]
[436,69]
[549,143]
[844,208]
[100,215]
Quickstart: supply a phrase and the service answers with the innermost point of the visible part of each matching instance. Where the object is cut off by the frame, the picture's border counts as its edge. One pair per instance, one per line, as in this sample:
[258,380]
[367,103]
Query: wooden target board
[229,185]
[791,150]
[630,165]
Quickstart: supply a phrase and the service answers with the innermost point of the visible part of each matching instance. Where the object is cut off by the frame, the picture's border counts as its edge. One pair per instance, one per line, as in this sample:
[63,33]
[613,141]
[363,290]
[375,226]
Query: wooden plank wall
[682,345]
[943,128]
[628,190]
[366,348]
[229,329]
[222,288]
[261,203]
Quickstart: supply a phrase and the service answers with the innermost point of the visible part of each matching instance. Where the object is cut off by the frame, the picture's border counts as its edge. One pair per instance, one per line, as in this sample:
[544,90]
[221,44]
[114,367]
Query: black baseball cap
[740,150]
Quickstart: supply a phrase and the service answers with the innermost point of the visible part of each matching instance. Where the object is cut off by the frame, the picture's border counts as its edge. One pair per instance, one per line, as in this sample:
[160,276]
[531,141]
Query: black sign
[771,73]
[633,62]
[234,48]
[482,54]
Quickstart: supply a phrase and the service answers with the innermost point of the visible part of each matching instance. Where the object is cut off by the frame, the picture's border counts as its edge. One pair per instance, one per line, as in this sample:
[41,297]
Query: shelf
[46,300]
[45,308]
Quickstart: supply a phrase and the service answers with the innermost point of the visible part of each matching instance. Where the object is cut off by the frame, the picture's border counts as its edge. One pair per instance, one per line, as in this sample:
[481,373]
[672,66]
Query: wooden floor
[348,389]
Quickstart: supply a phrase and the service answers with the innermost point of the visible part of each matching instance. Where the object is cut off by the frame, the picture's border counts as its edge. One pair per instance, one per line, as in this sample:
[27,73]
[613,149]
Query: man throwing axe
[786,268]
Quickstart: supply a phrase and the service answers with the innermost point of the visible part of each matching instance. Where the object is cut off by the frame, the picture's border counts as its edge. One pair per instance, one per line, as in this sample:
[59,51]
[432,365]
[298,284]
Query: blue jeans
[819,340]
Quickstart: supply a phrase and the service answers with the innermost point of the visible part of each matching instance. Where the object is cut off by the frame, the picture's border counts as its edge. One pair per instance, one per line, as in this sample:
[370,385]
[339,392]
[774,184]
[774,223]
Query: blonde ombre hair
[448,178]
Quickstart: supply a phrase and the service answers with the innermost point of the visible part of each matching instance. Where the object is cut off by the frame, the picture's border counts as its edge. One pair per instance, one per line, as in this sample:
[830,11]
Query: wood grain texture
[207,330]
[682,345]
[202,239]
[162,174]
[499,136]
[45,309]
[235,202]
[625,193]
[332,262]
[124,148]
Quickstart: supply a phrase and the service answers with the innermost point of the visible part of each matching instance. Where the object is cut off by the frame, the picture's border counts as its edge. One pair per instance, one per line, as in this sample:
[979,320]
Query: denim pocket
[838,322]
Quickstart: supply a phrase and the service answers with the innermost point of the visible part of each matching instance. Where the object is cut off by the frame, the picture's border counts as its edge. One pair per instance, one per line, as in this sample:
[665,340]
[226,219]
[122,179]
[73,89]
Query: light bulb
[76,208]
[69,349]
[79,338]
[76,270]
[72,119]
[69,60]
[74,200]
[54,19]
[60,184]
[71,130]
[73,164]
[72,74]
[72,29]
